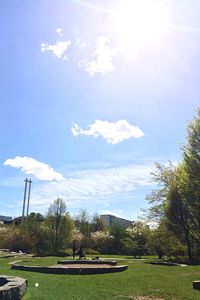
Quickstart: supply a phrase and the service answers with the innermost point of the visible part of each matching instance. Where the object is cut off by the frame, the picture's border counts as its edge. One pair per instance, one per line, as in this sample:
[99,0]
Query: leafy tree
[178,218]
[163,242]
[59,225]
[101,241]
[191,185]
[135,239]
[97,224]
[176,201]
[163,176]
[170,204]
[117,230]
[34,228]
[82,223]
[35,217]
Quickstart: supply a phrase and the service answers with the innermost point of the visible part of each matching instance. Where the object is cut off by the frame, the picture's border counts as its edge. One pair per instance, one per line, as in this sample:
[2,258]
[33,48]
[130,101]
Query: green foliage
[135,239]
[177,214]
[164,243]
[101,241]
[117,230]
[97,224]
[163,176]
[191,185]
[83,224]
[59,226]
[176,201]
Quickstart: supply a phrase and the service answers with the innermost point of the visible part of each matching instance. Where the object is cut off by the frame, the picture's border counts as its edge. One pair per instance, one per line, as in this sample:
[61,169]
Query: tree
[170,203]
[59,225]
[163,242]
[163,176]
[178,218]
[101,241]
[82,222]
[176,201]
[34,229]
[135,239]
[117,230]
[97,224]
[191,185]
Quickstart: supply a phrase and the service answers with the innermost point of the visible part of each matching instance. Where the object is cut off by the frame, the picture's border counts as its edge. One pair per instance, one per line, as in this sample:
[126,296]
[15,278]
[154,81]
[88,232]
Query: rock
[196,284]
[12,288]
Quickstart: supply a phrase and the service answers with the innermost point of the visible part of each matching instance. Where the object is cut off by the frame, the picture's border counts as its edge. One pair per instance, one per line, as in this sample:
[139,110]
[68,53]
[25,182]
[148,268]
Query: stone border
[12,288]
[196,285]
[88,262]
[71,271]
[163,263]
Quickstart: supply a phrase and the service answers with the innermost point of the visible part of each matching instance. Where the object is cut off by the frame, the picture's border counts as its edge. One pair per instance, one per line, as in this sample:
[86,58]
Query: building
[5,220]
[108,220]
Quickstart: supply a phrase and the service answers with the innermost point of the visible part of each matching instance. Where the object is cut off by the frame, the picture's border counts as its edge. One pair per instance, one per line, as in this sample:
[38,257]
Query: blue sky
[92,94]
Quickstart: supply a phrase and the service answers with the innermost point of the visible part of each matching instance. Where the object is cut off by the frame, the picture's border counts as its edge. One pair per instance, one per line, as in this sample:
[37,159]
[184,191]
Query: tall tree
[117,230]
[191,186]
[59,225]
[83,224]
[178,218]
[163,176]
[178,197]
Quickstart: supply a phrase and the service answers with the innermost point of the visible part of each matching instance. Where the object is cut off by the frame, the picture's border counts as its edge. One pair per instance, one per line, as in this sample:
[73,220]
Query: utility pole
[24,202]
[29,192]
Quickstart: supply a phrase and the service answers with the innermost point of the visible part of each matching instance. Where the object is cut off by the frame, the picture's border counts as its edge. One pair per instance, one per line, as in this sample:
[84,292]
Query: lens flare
[139,24]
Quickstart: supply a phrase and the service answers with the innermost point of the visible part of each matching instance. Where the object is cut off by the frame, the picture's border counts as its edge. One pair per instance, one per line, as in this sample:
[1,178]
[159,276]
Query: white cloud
[78,40]
[59,49]
[113,133]
[33,167]
[102,59]
[93,57]
[59,31]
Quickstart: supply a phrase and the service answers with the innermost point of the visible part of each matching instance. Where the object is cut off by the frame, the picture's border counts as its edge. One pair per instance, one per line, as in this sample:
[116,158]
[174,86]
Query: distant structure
[109,220]
[5,220]
[28,200]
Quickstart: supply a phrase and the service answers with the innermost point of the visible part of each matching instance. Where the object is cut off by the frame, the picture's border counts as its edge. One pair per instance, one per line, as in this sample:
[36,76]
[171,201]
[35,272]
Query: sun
[140,24]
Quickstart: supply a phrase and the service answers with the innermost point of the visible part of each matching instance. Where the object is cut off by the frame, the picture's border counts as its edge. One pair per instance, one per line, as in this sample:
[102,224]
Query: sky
[92,95]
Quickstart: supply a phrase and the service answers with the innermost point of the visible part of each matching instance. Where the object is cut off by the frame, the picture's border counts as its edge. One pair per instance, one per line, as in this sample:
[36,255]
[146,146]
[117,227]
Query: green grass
[140,279]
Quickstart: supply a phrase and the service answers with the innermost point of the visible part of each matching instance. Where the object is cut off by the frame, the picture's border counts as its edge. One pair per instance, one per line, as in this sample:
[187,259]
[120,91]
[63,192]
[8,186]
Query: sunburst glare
[140,24]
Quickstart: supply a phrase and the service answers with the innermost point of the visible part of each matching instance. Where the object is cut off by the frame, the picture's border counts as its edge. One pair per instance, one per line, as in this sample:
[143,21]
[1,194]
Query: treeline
[176,203]
[57,233]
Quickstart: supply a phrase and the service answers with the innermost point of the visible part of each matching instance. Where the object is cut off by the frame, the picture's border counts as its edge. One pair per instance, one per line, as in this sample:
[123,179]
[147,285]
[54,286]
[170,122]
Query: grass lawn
[140,279]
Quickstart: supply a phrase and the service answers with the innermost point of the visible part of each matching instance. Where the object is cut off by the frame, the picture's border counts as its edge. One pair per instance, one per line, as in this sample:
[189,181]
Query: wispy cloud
[101,61]
[30,166]
[112,132]
[59,49]
[88,187]
[91,6]
[59,31]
